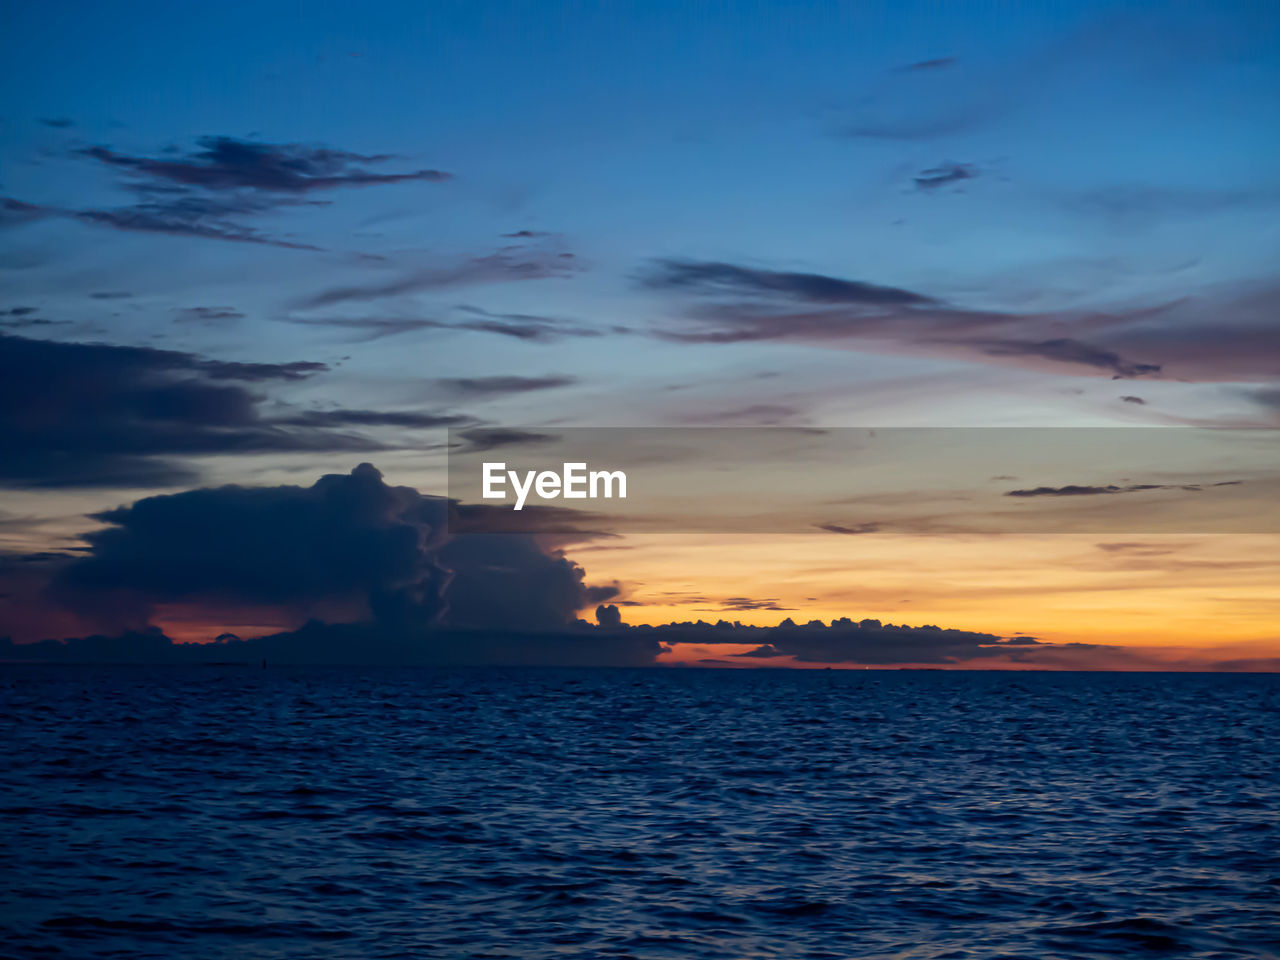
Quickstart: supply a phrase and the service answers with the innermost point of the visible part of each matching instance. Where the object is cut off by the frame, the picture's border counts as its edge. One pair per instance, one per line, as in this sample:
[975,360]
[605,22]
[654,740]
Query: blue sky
[1042,162]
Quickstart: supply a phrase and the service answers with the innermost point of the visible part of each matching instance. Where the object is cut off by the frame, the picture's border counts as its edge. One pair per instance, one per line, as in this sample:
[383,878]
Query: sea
[542,814]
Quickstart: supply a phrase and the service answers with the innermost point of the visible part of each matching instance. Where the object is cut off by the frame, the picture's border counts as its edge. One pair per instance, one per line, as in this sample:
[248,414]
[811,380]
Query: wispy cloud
[500,385]
[503,266]
[226,163]
[944,174]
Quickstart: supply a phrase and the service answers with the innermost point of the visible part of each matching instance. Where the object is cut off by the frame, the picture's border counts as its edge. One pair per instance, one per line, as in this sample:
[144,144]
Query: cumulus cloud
[348,538]
[379,554]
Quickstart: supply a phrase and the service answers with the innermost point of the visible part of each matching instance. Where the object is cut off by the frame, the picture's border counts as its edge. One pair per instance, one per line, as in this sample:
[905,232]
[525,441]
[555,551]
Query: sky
[266,244]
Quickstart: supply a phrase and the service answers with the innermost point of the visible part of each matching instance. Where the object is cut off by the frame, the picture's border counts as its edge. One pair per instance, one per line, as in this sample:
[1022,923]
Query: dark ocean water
[233,812]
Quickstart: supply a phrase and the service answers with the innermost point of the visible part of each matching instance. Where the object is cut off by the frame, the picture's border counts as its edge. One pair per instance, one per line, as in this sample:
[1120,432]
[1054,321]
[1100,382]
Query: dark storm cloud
[553,525]
[944,174]
[500,385]
[346,536]
[711,277]
[92,414]
[510,265]
[379,552]
[225,163]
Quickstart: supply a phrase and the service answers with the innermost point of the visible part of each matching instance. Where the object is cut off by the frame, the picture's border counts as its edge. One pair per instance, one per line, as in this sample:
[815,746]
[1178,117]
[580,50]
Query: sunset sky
[302,240]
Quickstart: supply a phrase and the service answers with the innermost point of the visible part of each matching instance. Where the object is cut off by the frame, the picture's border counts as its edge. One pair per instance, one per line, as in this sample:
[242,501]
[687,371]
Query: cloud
[377,555]
[1132,399]
[907,128]
[948,172]
[1067,350]
[714,277]
[111,295]
[501,267]
[937,63]
[1134,206]
[211,315]
[365,329]
[207,192]
[17,318]
[526,326]
[93,414]
[1268,397]
[481,439]
[518,326]
[58,123]
[1074,490]
[864,642]
[17,212]
[411,419]
[205,221]
[1132,548]
[500,385]
[751,603]
[753,414]
[372,575]
[745,304]
[850,530]
[225,163]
